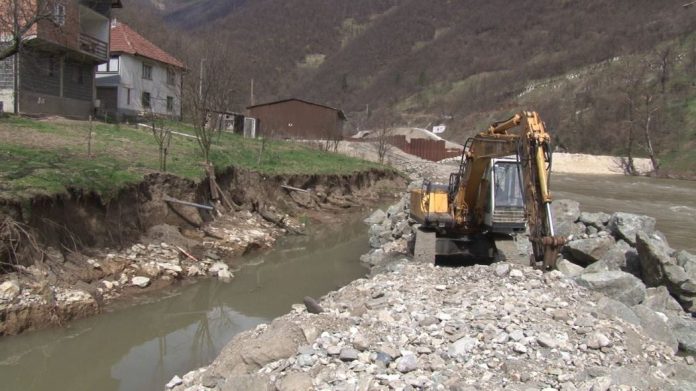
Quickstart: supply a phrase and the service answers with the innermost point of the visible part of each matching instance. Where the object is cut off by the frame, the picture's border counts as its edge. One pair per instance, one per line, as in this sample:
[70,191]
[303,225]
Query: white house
[139,78]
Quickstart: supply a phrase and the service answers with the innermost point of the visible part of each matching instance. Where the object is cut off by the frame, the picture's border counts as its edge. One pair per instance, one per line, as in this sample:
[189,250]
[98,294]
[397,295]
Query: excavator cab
[502,195]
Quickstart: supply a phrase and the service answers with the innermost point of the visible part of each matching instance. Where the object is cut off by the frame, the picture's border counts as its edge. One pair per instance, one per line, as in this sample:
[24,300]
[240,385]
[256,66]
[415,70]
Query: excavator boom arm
[525,136]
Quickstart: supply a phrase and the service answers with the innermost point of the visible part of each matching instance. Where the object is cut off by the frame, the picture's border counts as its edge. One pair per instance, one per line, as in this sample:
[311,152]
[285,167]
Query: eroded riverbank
[66,268]
[140,347]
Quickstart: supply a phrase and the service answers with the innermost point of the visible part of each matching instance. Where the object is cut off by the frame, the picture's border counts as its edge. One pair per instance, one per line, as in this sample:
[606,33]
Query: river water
[141,347]
[671,202]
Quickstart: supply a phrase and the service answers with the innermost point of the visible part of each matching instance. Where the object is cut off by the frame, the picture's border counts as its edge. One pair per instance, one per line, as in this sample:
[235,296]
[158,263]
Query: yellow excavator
[501,187]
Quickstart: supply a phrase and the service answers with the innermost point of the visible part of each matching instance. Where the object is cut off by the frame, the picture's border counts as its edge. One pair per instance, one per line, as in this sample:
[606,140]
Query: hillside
[460,63]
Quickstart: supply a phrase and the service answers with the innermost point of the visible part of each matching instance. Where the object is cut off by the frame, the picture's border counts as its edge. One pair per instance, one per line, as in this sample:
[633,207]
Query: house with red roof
[139,78]
[53,74]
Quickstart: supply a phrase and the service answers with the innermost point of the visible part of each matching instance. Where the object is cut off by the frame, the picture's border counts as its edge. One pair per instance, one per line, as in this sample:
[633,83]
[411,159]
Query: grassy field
[48,156]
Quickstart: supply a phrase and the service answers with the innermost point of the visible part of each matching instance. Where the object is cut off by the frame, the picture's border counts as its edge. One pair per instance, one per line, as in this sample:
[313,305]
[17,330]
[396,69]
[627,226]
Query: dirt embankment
[65,257]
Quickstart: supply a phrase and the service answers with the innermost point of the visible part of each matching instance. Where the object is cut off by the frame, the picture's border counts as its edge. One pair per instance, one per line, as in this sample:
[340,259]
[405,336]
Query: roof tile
[125,40]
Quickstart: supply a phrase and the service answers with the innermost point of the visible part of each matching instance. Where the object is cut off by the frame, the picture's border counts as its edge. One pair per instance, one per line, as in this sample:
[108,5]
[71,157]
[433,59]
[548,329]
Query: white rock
[519,348]
[140,281]
[94,263]
[407,363]
[176,380]
[170,267]
[217,266]
[597,340]
[462,346]
[225,275]
[516,274]
[9,290]
[502,269]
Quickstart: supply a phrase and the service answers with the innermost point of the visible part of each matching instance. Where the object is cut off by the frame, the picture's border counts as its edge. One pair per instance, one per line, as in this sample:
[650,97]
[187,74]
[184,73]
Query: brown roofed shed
[298,119]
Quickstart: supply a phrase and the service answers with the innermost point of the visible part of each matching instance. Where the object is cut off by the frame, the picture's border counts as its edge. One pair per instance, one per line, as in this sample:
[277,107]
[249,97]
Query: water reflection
[142,347]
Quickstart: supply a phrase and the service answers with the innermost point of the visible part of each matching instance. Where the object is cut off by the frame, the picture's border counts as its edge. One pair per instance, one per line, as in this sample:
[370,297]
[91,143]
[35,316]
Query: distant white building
[139,78]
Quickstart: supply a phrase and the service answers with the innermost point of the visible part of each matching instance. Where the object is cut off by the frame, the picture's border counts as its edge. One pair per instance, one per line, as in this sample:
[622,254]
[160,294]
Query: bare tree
[18,18]
[162,136]
[642,94]
[206,94]
[382,136]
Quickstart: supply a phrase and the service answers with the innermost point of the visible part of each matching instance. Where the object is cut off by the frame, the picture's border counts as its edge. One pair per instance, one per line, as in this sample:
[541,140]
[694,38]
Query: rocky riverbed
[613,317]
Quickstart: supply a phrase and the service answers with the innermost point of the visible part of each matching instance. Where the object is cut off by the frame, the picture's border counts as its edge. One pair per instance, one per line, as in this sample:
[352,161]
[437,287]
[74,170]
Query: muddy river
[671,202]
[141,347]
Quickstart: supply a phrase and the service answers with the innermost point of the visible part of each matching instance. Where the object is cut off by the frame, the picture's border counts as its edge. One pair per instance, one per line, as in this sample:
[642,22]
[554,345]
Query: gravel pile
[485,327]
[423,327]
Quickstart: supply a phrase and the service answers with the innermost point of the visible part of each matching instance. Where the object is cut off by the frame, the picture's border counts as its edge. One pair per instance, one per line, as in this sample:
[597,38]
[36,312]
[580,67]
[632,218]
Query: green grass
[48,157]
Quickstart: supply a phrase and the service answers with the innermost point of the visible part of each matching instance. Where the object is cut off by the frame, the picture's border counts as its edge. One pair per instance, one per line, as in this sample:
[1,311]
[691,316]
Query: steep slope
[457,62]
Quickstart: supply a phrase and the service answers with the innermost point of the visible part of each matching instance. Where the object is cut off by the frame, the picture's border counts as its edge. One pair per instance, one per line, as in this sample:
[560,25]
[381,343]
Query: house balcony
[94,47]
[94,34]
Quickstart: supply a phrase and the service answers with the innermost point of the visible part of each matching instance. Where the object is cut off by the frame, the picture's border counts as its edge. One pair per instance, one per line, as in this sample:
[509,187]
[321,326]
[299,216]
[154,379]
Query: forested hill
[582,64]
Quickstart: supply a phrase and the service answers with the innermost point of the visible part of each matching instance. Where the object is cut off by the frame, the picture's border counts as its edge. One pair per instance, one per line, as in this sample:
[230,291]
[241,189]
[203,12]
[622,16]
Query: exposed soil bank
[66,256]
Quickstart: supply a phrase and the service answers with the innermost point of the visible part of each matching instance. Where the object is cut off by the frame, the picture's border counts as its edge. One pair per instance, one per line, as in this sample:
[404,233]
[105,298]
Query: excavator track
[424,250]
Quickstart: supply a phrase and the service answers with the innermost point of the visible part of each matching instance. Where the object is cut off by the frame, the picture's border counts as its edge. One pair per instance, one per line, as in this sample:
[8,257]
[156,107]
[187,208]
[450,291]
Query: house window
[170,104]
[171,76]
[59,14]
[111,66]
[128,96]
[146,100]
[147,71]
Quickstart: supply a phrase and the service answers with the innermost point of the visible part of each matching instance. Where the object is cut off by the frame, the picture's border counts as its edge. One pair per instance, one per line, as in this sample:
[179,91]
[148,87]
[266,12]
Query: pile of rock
[483,327]
[389,234]
[624,257]
[425,327]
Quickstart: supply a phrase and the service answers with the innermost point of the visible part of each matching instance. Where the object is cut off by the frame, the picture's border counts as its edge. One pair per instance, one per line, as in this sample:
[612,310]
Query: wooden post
[89,139]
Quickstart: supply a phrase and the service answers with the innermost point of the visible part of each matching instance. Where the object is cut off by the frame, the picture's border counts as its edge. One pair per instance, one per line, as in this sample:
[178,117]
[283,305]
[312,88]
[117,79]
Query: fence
[433,150]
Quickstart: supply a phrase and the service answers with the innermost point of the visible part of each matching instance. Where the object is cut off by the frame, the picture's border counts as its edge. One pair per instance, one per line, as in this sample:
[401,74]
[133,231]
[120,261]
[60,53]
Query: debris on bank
[170,243]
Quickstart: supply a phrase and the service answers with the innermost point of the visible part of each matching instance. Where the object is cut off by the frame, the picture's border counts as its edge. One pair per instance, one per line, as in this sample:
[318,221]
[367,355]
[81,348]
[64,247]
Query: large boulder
[658,299]
[653,254]
[619,285]
[627,225]
[685,332]
[655,326]
[376,217]
[658,267]
[688,262]
[568,268]
[623,257]
[598,220]
[587,251]
[565,215]
[617,310]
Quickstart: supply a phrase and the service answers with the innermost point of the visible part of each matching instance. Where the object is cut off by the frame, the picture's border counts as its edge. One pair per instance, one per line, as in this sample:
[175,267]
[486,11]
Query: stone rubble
[150,264]
[504,326]
[624,257]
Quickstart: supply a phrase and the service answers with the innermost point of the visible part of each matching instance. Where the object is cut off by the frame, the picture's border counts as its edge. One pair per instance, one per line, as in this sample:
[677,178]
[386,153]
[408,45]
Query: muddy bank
[68,256]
